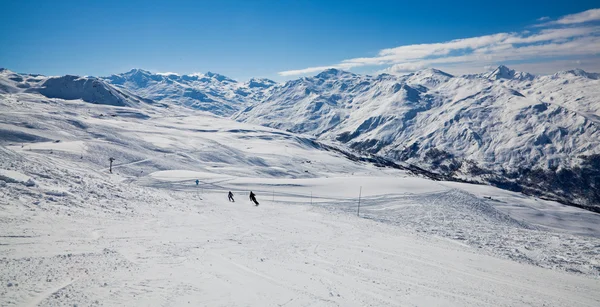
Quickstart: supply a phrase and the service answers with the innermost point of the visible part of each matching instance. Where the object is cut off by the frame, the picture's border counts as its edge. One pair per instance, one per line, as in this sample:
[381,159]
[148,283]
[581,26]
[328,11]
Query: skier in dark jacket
[253,198]
[231,197]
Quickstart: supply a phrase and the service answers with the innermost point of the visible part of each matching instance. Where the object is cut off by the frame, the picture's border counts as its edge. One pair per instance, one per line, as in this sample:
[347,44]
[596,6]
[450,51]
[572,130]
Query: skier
[253,198]
[111,159]
[231,197]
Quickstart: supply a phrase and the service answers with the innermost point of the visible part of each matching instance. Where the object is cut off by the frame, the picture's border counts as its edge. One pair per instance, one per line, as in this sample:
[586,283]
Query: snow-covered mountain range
[536,134]
[210,92]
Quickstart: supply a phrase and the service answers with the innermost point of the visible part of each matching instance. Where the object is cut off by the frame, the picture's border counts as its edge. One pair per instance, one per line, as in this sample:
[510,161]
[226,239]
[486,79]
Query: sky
[288,39]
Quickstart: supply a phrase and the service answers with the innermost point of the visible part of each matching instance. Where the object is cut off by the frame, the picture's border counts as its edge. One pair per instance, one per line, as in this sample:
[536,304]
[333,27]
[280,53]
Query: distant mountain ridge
[210,92]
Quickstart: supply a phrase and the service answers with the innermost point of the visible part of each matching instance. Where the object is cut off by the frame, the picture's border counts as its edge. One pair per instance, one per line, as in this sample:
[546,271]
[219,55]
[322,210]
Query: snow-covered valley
[72,233]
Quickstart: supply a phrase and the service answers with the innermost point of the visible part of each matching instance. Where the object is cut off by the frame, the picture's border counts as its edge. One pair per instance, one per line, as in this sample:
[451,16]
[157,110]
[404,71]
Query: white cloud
[585,46]
[554,34]
[586,16]
[306,70]
[405,67]
[551,67]
[544,18]
[167,73]
[484,50]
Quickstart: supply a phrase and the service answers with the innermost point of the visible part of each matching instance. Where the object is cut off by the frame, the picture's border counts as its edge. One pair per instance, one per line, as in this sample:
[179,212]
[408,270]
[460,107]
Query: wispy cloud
[585,16]
[167,73]
[564,39]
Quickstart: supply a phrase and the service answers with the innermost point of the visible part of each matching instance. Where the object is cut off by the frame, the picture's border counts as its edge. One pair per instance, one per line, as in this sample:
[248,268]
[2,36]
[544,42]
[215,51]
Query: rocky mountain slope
[534,134]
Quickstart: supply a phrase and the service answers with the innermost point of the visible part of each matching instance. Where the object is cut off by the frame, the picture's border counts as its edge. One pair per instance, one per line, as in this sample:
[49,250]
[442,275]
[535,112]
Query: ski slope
[179,250]
[71,233]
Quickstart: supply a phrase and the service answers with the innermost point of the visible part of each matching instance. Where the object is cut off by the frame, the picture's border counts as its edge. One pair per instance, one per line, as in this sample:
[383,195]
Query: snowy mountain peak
[136,77]
[334,73]
[430,77]
[578,73]
[219,77]
[503,72]
[433,71]
[134,71]
[504,69]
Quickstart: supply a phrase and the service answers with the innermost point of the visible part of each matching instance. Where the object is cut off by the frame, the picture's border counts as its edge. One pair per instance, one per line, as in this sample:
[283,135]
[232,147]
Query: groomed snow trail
[180,250]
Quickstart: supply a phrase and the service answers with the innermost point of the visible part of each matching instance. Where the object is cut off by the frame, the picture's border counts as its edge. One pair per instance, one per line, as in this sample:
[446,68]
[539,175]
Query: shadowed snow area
[71,233]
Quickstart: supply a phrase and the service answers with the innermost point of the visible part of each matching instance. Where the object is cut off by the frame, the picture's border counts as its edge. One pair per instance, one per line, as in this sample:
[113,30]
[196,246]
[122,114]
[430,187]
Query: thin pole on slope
[197,188]
[359,195]
[273,196]
[311,198]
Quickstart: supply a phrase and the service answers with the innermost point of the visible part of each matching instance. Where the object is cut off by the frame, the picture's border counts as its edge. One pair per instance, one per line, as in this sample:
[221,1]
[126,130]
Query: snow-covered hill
[88,89]
[11,82]
[210,92]
[536,134]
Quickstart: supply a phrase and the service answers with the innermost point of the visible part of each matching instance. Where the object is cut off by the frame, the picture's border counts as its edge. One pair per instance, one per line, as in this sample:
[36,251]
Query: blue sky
[287,39]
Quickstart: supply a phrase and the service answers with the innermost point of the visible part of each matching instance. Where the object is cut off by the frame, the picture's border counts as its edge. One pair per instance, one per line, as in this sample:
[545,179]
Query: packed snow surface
[147,235]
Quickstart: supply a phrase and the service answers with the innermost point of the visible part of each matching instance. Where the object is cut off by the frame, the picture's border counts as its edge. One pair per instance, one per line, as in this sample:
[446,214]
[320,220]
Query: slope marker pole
[359,195]
[198,189]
